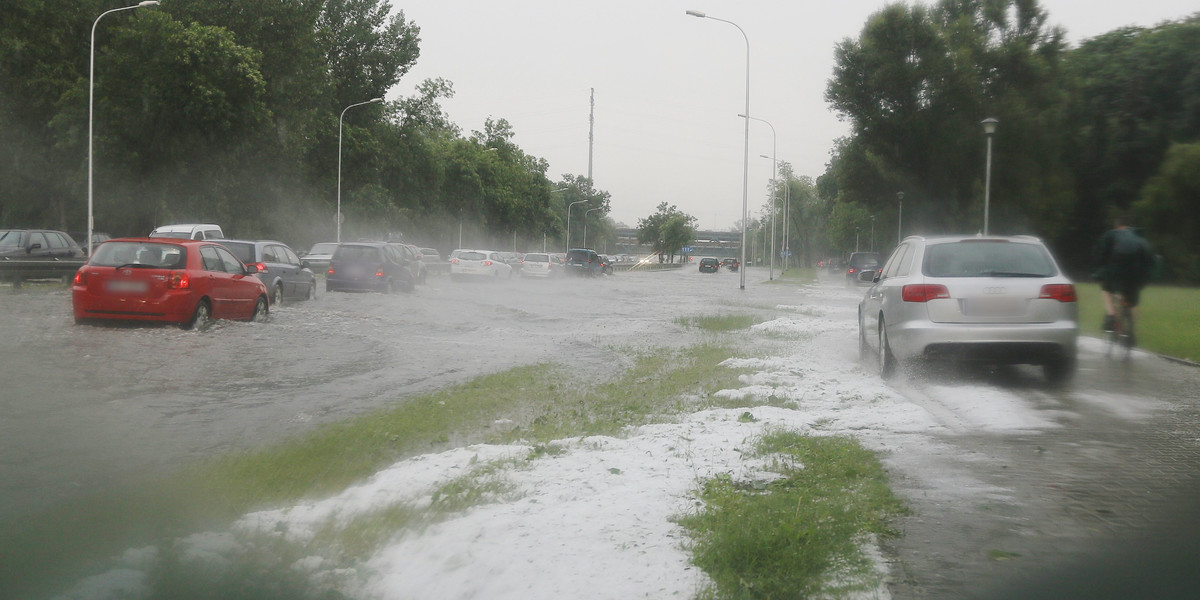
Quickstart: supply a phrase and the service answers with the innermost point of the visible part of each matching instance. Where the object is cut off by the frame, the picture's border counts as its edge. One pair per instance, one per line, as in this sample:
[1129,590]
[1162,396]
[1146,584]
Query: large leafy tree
[1135,92]
[916,84]
[1169,211]
[667,231]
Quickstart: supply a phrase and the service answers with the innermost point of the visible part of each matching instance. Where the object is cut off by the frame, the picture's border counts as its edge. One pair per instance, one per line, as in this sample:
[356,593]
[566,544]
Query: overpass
[721,244]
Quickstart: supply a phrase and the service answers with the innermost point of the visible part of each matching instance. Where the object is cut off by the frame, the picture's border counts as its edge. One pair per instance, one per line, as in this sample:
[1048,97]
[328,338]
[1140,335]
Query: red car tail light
[1063,292]
[256,268]
[454,261]
[81,277]
[851,271]
[178,280]
[379,272]
[487,263]
[923,292]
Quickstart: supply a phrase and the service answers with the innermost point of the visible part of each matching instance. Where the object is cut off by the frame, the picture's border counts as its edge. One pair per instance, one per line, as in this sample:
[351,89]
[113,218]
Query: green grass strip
[540,403]
[797,536]
[719,323]
[1168,318]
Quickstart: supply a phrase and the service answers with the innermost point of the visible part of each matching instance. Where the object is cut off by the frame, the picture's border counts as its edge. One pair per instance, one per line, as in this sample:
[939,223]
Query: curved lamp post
[585,214]
[774,169]
[91,102]
[339,181]
[989,128]
[746,153]
[787,219]
[569,207]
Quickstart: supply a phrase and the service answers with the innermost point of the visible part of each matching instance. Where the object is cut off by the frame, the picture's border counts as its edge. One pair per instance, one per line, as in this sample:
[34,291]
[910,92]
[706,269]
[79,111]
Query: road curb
[1181,361]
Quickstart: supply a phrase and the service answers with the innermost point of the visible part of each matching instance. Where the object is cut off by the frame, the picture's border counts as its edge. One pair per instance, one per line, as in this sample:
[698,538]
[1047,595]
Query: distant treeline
[228,111]
[1084,133]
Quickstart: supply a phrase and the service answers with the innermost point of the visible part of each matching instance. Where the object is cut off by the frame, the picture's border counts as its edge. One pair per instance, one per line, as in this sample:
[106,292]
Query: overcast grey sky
[669,87]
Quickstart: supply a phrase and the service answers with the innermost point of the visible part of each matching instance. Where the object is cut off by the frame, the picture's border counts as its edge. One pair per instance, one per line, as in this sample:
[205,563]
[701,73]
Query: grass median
[1168,320]
[788,535]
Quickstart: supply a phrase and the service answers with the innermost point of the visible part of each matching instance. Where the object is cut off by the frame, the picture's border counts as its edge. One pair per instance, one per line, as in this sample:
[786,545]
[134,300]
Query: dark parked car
[582,261]
[431,256]
[414,259]
[368,267]
[37,244]
[284,274]
[318,256]
[858,263]
[709,264]
[187,282]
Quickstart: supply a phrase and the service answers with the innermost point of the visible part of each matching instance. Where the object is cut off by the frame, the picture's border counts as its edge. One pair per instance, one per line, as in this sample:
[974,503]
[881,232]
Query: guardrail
[16,270]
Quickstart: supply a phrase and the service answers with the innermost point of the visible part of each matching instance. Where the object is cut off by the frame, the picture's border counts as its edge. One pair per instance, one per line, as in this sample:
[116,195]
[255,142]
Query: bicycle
[1122,334]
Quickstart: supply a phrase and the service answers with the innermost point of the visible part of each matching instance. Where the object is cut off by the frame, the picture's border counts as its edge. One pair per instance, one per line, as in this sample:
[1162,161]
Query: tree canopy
[667,231]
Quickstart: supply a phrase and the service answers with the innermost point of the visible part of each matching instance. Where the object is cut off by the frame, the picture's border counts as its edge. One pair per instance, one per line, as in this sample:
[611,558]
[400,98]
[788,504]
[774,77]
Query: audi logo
[993,290]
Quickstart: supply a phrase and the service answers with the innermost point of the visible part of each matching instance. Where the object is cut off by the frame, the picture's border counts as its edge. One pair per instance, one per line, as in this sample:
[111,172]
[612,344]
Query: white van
[189,231]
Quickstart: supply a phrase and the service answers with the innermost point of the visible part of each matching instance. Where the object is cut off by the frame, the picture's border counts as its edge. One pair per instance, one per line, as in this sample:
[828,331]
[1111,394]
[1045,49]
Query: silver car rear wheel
[887,361]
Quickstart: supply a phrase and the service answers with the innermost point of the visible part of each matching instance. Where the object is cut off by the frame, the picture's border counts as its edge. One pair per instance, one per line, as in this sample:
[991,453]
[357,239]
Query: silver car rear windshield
[537,257]
[987,258]
[472,256]
[139,254]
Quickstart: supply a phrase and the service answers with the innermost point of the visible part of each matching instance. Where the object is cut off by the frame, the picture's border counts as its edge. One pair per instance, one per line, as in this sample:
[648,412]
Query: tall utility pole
[591,132]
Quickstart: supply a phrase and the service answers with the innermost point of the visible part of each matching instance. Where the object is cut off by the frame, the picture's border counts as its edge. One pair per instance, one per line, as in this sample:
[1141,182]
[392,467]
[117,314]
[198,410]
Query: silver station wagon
[1000,300]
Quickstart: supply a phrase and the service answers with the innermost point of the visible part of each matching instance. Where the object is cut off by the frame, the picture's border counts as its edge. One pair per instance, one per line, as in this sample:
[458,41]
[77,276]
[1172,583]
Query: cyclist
[1124,261]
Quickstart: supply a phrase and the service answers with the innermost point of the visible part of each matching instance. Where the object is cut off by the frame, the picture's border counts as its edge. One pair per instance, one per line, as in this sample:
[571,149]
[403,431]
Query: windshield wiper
[1012,274]
[143,266]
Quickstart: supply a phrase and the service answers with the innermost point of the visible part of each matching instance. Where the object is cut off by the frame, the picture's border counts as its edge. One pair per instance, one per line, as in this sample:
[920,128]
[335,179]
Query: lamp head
[376,100]
[989,125]
[900,195]
[146,3]
[697,13]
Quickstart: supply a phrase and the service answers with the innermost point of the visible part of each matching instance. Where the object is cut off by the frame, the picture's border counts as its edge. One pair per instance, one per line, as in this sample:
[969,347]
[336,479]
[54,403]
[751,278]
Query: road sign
[687,249]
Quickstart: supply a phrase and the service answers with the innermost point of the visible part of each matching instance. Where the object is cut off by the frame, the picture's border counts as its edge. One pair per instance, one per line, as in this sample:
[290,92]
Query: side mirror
[304,264]
[33,247]
[865,275]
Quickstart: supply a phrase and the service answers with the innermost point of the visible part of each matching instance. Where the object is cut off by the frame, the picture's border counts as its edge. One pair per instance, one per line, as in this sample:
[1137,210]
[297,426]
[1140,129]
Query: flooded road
[83,406]
[1005,465]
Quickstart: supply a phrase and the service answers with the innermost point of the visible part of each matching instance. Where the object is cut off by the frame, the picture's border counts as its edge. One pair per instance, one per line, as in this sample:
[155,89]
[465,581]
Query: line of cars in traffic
[711,264]
[189,274]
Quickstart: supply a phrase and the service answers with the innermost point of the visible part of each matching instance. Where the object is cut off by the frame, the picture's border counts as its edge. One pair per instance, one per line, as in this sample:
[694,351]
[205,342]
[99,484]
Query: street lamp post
[339,179]
[746,150]
[569,207]
[787,203]
[899,218]
[585,214]
[989,128]
[774,181]
[91,102]
[872,233]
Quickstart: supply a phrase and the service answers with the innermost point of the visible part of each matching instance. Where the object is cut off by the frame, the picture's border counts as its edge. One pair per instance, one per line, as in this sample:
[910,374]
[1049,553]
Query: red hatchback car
[187,282]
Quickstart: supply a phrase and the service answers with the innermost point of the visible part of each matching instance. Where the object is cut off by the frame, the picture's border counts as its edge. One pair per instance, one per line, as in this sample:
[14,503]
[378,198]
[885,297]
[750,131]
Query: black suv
[284,274]
[709,264]
[367,267]
[582,261]
[860,262]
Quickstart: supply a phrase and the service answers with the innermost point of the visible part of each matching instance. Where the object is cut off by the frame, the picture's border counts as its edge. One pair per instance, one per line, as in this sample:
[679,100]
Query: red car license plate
[127,287]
